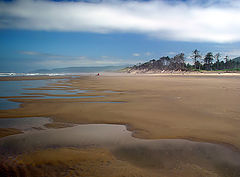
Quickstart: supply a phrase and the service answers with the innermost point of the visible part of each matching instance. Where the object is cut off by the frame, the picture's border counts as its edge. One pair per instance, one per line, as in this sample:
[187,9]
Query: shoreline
[138,132]
[196,108]
[20,78]
[118,74]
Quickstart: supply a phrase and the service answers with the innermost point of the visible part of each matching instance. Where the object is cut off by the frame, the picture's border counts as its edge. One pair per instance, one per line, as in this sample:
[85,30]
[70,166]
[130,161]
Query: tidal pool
[6,104]
[25,87]
[36,89]
[24,123]
[62,97]
[145,153]
[18,88]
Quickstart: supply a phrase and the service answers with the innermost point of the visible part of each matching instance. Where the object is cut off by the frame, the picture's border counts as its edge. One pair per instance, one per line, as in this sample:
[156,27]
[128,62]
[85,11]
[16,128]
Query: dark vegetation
[209,62]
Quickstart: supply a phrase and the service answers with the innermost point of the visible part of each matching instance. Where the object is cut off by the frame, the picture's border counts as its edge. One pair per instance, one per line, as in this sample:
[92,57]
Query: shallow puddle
[24,123]
[17,88]
[25,90]
[21,88]
[55,91]
[6,104]
[156,154]
[63,97]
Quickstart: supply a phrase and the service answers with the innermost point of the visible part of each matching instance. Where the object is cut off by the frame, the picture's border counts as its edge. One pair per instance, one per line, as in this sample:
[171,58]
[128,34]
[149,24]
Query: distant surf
[34,74]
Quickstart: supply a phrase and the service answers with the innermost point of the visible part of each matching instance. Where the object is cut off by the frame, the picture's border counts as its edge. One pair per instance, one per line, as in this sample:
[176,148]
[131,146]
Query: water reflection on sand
[164,153]
[43,89]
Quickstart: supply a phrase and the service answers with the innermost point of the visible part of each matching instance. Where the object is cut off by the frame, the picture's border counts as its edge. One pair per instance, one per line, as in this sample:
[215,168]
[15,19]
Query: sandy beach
[197,107]
[119,88]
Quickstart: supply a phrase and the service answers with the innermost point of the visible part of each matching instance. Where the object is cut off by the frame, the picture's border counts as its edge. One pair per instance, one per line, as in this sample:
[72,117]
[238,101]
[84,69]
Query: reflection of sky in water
[24,123]
[5,104]
[16,88]
[19,88]
[55,92]
[23,88]
[154,153]
[62,97]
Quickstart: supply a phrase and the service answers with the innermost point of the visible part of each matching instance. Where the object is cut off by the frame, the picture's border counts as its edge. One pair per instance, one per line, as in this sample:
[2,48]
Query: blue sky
[49,34]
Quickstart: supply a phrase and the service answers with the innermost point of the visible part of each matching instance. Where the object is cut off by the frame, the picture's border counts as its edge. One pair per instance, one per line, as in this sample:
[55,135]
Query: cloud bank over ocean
[212,21]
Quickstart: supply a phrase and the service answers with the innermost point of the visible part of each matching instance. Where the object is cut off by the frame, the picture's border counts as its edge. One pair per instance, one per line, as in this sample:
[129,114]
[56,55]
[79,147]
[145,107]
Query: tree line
[208,62]
[212,62]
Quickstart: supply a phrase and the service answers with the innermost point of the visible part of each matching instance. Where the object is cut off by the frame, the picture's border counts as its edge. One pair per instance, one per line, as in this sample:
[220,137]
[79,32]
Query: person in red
[98,74]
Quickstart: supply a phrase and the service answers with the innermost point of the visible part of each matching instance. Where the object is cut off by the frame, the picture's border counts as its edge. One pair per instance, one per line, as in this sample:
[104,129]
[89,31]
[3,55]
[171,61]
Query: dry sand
[199,107]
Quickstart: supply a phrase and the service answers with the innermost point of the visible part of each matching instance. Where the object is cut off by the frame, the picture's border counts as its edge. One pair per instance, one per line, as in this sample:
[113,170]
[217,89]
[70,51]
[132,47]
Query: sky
[45,34]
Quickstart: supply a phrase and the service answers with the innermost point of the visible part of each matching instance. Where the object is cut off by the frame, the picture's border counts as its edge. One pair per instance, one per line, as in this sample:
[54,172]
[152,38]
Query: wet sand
[94,162]
[164,156]
[202,107]
[8,131]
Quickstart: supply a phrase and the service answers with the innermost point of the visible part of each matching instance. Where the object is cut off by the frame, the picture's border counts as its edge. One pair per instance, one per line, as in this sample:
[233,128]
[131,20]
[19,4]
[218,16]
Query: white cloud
[55,63]
[53,60]
[148,53]
[41,54]
[214,21]
[29,53]
[136,54]
[171,53]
